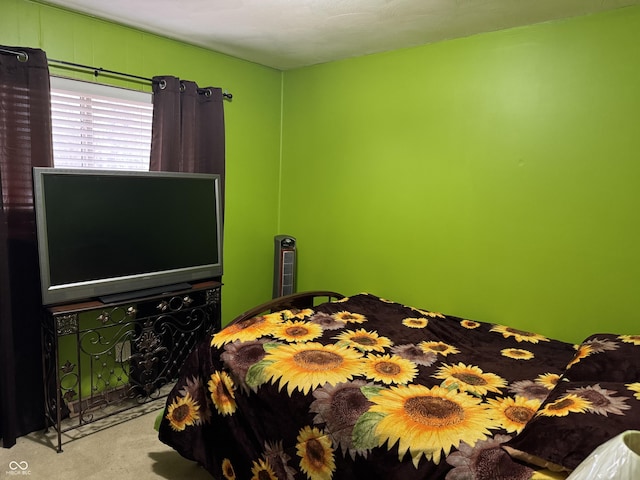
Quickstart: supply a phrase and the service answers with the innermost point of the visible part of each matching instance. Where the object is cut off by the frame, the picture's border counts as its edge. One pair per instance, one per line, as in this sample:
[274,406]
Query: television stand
[147,292]
[106,362]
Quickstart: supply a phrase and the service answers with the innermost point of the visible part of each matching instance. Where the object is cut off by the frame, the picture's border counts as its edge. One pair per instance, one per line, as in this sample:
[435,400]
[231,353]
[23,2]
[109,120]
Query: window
[99,126]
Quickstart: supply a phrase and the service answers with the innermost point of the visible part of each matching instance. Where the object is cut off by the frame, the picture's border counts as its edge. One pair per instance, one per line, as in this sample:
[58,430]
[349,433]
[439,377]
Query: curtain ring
[23,56]
[162,84]
[207,92]
[183,87]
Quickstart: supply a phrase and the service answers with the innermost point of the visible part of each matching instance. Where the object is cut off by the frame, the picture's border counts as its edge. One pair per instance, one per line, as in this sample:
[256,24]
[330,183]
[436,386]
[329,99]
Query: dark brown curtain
[188,128]
[25,142]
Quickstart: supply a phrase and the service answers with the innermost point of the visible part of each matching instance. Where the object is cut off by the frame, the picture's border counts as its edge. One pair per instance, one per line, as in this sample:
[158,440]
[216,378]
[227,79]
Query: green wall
[495,177]
[252,121]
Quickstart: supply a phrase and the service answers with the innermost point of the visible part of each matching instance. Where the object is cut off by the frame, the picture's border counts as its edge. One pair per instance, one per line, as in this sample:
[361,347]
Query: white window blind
[99,126]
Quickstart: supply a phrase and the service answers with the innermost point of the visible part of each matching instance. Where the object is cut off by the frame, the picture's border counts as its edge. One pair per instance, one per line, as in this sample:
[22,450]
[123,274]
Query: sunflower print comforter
[366,388]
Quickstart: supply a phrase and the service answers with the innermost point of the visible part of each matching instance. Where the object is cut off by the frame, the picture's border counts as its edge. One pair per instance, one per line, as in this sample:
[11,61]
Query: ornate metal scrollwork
[213,296]
[68,367]
[175,303]
[148,360]
[121,356]
[66,324]
[117,314]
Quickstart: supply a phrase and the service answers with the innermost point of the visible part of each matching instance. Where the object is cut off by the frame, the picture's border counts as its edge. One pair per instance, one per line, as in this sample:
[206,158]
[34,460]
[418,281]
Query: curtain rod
[23,57]
[98,70]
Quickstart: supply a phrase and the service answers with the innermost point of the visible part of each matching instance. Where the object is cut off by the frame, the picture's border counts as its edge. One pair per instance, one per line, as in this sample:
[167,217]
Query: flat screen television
[109,234]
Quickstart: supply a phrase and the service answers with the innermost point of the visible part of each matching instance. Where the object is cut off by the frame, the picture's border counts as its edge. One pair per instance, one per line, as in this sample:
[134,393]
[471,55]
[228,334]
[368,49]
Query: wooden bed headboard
[299,301]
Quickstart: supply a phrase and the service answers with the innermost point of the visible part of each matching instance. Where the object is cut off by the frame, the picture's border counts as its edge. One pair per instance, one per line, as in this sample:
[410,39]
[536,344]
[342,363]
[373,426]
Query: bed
[321,386]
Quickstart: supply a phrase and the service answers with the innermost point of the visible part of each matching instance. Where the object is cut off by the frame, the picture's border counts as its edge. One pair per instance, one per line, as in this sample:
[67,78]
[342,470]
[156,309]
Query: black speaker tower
[284,266]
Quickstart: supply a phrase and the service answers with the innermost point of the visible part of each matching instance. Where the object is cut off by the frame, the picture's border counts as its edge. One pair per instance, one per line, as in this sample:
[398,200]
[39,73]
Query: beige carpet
[129,450]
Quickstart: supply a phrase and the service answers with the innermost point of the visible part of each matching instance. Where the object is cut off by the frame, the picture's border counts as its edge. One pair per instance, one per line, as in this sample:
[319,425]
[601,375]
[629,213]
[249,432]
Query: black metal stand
[101,359]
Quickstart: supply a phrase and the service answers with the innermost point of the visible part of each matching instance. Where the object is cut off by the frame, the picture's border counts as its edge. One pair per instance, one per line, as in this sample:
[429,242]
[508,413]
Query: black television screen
[102,233]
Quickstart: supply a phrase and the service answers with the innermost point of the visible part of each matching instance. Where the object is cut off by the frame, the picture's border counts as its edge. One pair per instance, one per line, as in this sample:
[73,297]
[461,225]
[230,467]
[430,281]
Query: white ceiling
[286,34]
